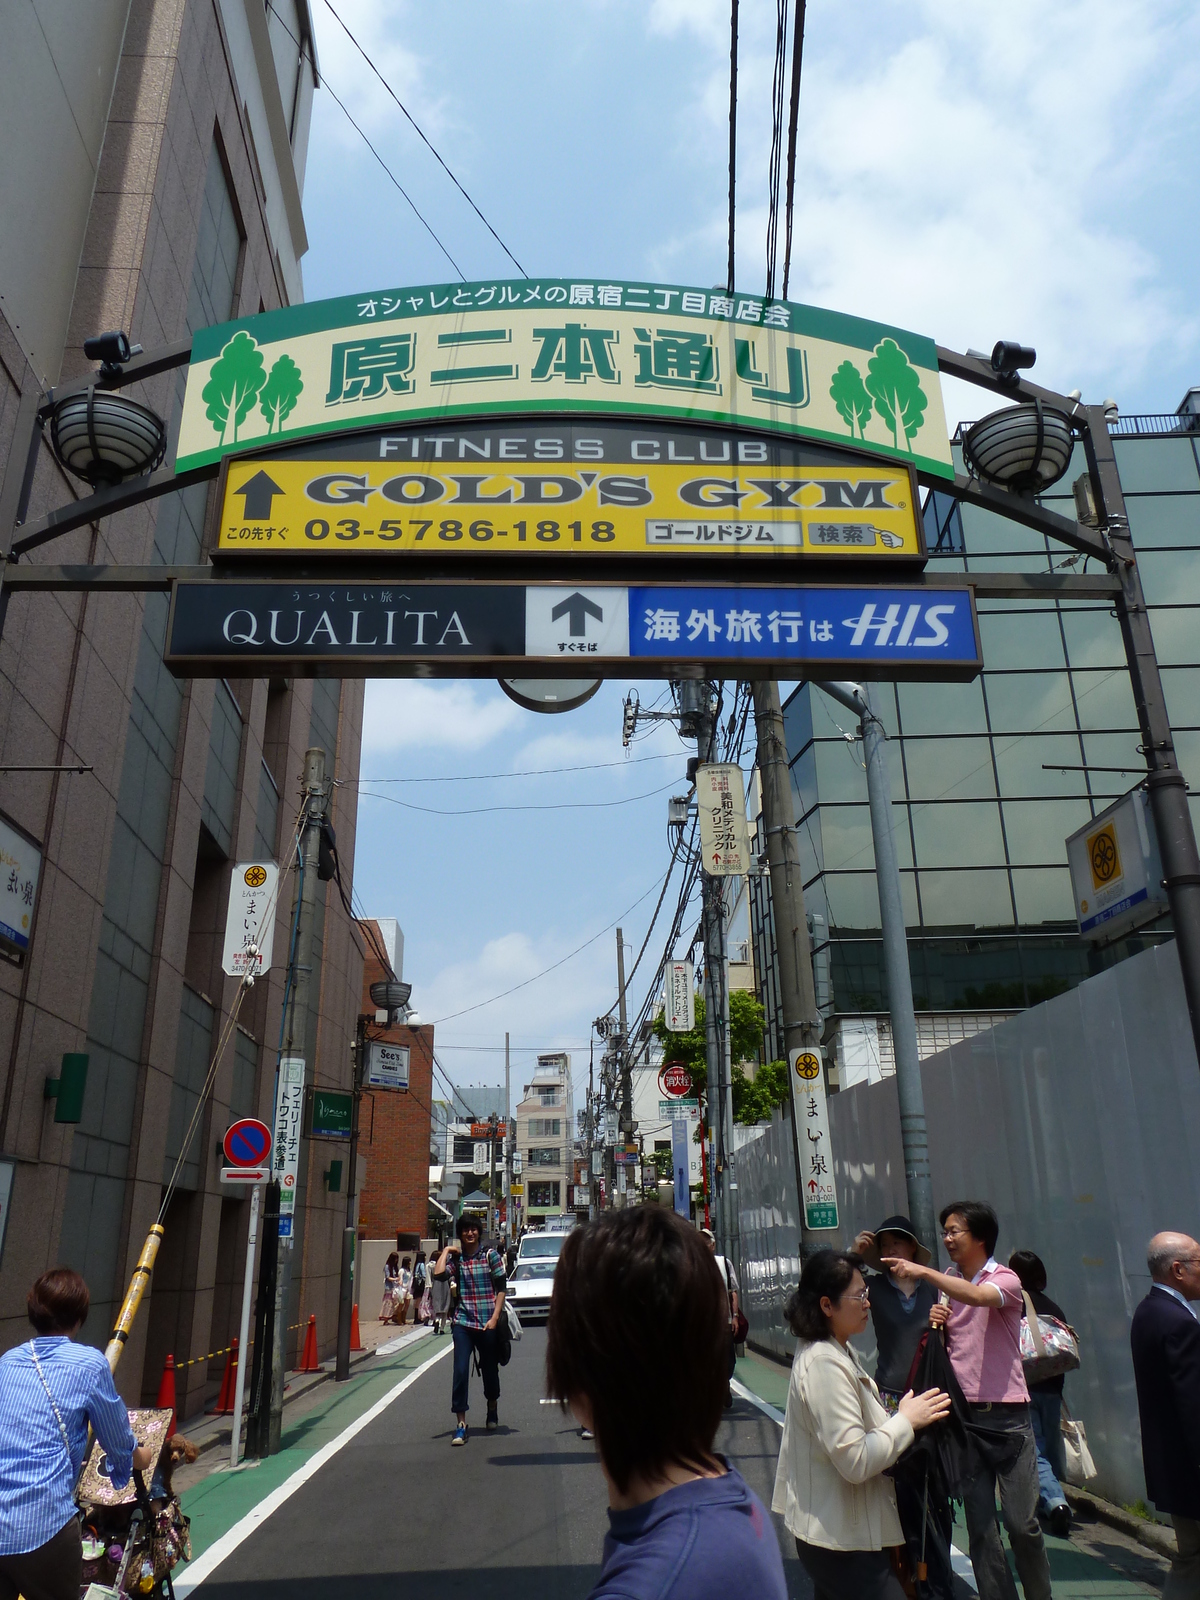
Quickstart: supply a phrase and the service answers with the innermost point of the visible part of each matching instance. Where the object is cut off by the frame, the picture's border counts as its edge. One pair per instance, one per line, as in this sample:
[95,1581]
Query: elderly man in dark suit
[1165,1339]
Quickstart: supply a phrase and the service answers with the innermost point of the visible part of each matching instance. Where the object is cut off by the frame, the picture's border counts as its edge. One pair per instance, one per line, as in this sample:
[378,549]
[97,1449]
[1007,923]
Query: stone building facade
[151,170]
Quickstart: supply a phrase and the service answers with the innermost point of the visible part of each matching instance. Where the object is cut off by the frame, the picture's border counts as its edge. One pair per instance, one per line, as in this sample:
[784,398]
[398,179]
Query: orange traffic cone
[310,1362]
[355,1337]
[228,1382]
[166,1391]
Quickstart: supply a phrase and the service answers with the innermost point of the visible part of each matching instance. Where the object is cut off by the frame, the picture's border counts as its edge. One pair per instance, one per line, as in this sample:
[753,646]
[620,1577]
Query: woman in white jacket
[838,1440]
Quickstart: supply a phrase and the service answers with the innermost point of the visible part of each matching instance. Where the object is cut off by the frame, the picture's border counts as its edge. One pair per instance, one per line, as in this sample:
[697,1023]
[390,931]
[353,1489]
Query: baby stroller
[135,1536]
[441,1302]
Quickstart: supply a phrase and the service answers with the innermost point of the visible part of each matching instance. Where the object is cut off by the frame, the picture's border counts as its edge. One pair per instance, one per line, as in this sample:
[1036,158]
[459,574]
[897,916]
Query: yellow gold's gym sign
[541,487]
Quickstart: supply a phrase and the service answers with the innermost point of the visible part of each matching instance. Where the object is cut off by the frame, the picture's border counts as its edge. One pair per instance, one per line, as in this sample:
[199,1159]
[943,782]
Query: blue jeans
[465,1340]
[1045,1412]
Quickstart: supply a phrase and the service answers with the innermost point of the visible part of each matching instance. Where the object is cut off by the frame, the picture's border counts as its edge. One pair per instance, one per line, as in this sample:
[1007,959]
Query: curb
[221,1436]
[1151,1534]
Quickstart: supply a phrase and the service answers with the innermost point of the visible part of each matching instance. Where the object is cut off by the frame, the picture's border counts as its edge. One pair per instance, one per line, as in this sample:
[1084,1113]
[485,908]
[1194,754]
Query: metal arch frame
[1110,545]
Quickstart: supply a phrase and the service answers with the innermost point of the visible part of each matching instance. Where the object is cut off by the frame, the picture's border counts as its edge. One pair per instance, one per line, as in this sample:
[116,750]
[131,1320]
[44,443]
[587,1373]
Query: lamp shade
[390,995]
[1025,447]
[105,438]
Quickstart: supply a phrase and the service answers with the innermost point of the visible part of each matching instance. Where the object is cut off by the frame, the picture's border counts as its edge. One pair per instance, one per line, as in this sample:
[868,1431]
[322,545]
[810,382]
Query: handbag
[1080,1466]
[514,1322]
[1048,1347]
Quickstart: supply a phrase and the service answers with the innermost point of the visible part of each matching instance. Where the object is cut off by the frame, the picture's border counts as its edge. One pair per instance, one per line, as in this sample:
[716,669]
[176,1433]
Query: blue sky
[970,172]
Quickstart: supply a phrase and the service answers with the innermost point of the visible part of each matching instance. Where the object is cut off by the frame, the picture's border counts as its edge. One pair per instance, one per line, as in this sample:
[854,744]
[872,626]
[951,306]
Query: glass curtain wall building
[989,777]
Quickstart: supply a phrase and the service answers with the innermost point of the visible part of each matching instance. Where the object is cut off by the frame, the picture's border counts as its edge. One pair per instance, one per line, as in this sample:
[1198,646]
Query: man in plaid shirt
[480,1277]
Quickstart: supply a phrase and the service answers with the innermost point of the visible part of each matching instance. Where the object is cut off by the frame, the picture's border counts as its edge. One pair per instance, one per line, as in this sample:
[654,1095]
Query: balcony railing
[1141,425]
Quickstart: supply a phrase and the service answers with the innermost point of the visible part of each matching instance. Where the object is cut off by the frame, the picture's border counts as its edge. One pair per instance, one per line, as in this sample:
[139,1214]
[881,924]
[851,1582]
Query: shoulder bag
[58,1418]
[1080,1466]
[1048,1347]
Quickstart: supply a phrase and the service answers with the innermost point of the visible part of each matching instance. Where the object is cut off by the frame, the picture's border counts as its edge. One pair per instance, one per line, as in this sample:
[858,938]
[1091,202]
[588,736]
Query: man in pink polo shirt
[983,1340]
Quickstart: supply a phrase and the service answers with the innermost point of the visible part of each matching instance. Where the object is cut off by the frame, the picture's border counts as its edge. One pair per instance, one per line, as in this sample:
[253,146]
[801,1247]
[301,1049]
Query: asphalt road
[515,1515]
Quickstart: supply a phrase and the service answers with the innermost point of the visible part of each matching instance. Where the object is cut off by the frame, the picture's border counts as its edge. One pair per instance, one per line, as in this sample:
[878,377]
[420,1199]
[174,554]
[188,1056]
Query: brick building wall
[396,1128]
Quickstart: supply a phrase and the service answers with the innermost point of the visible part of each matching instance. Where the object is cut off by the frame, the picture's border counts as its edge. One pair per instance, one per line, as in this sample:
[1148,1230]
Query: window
[978,899]
[963,835]
[1171,577]
[548,1097]
[942,708]
[266,817]
[939,769]
[545,1127]
[544,1194]
[1037,831]
[1093,639]
[543,1156]
[220,781]
[1164,520]
[1020,762]
[1028,702]
[1021,639]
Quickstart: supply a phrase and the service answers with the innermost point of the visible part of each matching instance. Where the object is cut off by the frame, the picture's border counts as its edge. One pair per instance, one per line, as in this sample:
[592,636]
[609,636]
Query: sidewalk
[317,1413]
[1097,1560]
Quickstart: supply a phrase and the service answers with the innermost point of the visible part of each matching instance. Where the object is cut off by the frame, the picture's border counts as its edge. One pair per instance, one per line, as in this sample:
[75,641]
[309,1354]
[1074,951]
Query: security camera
[1008,358]
[110,349]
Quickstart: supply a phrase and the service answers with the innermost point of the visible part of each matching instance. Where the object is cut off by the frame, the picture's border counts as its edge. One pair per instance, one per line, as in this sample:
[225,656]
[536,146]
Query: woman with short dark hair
[50,1391]
[1046,1402]
[838,1440]
[637,1339]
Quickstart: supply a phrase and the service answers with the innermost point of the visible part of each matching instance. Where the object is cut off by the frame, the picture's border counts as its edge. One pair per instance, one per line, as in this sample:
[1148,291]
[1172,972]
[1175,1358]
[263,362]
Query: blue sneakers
[460,1434]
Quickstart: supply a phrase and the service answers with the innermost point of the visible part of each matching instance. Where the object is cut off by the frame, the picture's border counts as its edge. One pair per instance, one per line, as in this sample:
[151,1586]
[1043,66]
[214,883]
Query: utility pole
[625,1064]
[350,1232]
[491,1214]
[909,1090]
[295,1042]
[508,1145]
[696,721]
[802,1024]
[591,1129]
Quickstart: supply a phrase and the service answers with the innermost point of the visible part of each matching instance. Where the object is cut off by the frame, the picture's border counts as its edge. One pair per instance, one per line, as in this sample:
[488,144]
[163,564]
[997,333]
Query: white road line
[205,1565]
[959,1560]
[756,1400]
[403,1341]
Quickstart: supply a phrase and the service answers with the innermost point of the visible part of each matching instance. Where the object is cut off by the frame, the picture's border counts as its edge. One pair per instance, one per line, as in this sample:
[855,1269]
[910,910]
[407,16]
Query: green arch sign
[563,346]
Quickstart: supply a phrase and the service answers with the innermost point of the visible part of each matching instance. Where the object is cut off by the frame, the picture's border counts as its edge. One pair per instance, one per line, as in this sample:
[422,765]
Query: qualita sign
[546,345]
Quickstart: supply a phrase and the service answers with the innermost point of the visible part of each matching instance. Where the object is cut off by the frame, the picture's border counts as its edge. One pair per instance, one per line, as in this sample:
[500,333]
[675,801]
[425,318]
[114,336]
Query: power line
[776,157]
[345,111]
[530,772]
[793,118]
[524,984]
[479,811]
[733,69]
[420,132]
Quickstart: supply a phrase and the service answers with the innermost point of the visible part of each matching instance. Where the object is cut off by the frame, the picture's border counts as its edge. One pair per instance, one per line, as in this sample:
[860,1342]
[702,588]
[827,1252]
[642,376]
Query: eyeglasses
[954,1233]
[861,1298]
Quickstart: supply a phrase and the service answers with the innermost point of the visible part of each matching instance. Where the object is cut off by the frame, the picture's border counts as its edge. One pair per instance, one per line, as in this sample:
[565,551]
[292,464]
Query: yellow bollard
[133,1295]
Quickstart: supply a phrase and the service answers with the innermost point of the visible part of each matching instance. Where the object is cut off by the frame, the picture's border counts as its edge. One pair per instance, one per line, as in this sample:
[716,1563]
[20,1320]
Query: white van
[531,1280]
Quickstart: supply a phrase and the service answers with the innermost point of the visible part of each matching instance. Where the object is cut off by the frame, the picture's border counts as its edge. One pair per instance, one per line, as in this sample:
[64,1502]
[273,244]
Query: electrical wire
[793,119]
[775,159]
[524,984]
[479,811]
[733,72]
[529,772]
[227,1033]
[425,141]
[324,81]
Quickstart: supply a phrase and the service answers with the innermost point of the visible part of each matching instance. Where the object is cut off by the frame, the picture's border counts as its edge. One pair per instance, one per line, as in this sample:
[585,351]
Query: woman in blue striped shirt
[50,1390]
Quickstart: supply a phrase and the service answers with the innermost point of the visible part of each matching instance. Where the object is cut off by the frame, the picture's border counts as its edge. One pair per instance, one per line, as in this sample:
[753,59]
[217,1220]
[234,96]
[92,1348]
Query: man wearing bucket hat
[900,1314]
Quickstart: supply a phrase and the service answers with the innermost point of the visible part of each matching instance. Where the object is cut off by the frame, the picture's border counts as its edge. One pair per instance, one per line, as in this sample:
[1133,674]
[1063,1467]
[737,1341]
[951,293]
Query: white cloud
[973,172]
[380,26]
[404,714]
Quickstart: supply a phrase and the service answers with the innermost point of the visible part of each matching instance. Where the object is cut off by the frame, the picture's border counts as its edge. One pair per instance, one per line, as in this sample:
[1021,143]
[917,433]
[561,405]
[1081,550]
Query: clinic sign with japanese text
[545,346]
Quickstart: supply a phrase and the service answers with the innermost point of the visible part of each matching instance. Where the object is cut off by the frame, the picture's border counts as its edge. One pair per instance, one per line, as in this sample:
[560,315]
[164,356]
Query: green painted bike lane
[220,1501]
[1074,1572]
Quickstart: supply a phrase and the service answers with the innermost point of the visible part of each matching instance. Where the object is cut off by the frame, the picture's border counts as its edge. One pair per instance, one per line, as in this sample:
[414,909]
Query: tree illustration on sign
[280,392]
[850,396]
[893,384]
[233,384]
